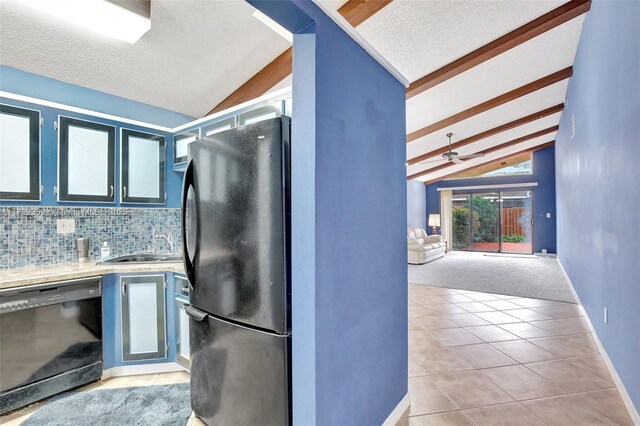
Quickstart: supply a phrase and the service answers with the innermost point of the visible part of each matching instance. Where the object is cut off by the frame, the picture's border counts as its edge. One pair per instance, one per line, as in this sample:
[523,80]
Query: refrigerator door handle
[195,313]
[187,183]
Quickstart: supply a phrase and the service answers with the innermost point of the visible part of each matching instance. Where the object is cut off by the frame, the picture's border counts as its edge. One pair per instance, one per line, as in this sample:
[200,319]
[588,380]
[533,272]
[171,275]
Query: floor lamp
[434,220]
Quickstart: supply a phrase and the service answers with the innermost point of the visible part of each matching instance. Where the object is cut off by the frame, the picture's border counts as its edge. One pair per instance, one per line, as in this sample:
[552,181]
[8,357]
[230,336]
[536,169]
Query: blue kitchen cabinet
[55,156]
[142,167]
[139,319]
[143,307]
[19,153]
[181,285]
[86,160]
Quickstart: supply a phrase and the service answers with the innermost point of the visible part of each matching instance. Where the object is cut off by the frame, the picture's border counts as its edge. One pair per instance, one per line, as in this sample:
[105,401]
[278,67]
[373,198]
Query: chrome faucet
[168,238]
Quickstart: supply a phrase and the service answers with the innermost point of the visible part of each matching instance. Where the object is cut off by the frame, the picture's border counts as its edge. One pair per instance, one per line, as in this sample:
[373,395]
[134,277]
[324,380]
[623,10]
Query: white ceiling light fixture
[273,25]
[100,16]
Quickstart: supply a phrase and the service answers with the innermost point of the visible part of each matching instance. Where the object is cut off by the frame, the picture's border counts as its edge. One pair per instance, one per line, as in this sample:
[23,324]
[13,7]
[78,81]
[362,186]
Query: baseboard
[133,370]
[397,412]
[635,417]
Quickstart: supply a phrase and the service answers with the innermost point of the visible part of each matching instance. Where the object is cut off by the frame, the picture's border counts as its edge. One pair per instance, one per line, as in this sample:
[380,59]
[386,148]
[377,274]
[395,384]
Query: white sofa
[423,248]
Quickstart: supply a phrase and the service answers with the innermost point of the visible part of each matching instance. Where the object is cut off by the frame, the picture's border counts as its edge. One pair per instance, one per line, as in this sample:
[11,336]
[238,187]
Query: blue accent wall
[597,181]
[416,204]
[36,86]
[544,196]
[349,289]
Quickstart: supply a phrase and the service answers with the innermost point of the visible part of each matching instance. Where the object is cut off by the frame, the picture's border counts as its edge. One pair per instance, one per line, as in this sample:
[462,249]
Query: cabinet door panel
[143,167]
[19,153]
[144,172]
[219,126]
[143,313]
[88,166]
[87,160]
[180,144]
[143,317]
[182,334]
[263,113]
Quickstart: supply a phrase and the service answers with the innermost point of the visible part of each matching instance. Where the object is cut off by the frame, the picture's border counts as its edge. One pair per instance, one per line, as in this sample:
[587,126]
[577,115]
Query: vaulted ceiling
[196,53]
[494,73]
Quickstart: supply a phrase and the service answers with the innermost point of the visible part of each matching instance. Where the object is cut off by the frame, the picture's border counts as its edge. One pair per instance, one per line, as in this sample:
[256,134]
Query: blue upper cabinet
[52,156]
[268,107]
[142,167]
[180,143]
[86,164]
[19,153]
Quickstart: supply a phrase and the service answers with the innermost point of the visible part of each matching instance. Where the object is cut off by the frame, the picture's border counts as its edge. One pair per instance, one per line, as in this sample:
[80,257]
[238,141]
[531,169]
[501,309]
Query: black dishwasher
[50,340]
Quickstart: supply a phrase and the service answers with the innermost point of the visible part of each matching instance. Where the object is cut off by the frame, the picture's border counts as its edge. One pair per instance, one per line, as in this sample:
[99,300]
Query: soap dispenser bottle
[105,252]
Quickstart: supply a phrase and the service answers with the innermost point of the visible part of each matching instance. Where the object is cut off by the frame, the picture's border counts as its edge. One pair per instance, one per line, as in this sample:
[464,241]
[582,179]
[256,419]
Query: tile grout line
[566,359]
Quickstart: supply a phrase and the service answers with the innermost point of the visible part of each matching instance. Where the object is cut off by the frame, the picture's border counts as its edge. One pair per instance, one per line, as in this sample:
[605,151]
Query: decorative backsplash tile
[28,235]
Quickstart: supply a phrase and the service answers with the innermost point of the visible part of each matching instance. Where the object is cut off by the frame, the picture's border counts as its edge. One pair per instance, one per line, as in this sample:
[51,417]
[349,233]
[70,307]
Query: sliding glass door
[485,224]
[517,228]
[460,222]
[493,222]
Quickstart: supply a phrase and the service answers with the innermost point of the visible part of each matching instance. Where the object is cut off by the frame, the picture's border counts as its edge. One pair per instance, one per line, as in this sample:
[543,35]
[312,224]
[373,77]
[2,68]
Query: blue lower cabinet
[144,326]
[181,285]
[139,312]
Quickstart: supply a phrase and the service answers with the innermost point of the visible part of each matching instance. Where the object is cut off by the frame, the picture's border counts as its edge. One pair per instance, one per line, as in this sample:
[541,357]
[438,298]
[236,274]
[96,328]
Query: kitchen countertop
[45,274]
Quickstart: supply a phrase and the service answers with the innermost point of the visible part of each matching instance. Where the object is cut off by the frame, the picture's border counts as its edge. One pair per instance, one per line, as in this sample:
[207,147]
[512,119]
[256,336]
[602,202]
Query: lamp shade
[434,220]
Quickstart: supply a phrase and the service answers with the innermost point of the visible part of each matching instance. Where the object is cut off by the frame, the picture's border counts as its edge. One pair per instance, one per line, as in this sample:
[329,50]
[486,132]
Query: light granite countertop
[45,274]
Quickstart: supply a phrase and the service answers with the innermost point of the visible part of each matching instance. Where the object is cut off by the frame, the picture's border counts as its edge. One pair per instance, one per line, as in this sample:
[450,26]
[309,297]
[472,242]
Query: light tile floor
[17,417]
[474,360]
[489,359]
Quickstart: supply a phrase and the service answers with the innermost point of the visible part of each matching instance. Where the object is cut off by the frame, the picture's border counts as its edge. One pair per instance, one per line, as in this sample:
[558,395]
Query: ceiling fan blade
[467,157]
[433,161]
[457,160]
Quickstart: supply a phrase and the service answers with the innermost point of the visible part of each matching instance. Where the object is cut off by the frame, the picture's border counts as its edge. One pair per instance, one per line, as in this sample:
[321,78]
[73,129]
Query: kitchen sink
[145,258]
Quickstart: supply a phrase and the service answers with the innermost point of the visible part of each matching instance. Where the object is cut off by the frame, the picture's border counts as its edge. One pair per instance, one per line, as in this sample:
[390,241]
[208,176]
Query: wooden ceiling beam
[276,71]
[358,11]
[354,11]
[490,150]
[506,157]
[520,35]
[493,103]
[491,132]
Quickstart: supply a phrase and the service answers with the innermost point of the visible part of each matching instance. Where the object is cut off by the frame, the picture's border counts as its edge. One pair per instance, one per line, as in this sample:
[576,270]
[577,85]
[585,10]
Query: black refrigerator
[236,243]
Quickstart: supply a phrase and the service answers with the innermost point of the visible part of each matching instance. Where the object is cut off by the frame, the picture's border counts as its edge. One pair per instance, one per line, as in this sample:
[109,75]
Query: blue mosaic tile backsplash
[28,235]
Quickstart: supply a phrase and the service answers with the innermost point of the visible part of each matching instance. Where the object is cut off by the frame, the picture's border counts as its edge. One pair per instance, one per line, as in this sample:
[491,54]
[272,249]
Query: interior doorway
[494,222]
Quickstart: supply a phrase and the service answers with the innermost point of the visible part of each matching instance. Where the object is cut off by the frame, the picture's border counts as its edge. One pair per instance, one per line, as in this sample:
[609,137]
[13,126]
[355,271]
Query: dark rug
[166,405]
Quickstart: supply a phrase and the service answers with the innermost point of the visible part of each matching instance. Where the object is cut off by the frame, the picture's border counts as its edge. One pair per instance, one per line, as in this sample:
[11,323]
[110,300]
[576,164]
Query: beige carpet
[524,276]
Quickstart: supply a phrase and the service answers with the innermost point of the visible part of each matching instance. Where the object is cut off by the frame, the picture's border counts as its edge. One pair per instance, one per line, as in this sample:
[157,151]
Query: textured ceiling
[521,107]
[544,55]
[419,37]
[196,53]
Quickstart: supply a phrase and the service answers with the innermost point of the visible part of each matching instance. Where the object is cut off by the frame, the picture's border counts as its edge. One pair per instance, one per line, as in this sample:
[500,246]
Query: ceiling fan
[452,156]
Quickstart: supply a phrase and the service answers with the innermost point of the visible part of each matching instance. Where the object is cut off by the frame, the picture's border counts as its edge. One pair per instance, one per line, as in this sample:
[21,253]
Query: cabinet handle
[124,192]
[110,190]
[124,288]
